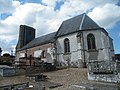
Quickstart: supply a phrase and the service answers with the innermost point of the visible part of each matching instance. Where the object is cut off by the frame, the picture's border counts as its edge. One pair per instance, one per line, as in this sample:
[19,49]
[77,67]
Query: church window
[66,45]
[43,54]
[91,42]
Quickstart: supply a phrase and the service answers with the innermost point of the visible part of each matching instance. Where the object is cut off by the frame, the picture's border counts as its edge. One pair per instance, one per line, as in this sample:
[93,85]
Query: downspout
[55,60]
[84,63]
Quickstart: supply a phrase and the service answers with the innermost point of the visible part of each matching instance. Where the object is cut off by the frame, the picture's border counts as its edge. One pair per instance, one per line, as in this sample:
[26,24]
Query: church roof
[49,38]
[80,22]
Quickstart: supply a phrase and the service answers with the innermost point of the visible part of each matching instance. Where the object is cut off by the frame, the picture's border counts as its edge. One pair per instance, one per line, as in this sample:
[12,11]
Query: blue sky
[116,38]
[47,15]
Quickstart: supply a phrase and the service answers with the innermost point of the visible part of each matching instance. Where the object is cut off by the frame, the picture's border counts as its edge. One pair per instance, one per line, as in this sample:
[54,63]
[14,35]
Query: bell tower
[26,34]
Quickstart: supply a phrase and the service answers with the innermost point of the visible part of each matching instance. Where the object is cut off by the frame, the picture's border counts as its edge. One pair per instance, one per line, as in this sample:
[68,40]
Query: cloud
[45,19]
[8,6]
[51,3]
[6,46]
[106,16]
[8,33]
[31,14]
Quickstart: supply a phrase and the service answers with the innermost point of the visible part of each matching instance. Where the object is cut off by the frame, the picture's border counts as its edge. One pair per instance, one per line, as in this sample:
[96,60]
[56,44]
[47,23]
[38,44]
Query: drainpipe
[84,63]
[55,53]
[83,18]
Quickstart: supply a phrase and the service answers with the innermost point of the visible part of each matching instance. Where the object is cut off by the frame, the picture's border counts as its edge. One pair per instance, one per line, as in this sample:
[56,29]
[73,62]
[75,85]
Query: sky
[46,16]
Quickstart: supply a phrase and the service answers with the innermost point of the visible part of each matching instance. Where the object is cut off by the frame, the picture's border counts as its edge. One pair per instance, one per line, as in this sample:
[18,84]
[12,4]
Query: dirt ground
[70,79]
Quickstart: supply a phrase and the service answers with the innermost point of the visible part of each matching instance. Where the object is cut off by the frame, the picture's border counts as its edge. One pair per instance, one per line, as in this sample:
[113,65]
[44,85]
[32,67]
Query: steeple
[26,34]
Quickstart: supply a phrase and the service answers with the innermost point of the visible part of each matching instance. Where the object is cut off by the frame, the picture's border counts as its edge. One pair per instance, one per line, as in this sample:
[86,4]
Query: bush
[118,85]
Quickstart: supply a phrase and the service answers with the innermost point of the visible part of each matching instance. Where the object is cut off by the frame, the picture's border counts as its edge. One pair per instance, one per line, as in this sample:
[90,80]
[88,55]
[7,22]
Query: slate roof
[49,38]
[80,22]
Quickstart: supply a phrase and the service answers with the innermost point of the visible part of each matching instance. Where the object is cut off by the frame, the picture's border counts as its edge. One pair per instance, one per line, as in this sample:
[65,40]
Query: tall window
[66,45]
[43,54]
[91,42]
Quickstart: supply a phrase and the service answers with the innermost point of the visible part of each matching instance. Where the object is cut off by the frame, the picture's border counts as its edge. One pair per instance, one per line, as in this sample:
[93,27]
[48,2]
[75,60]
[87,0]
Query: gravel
[71,79]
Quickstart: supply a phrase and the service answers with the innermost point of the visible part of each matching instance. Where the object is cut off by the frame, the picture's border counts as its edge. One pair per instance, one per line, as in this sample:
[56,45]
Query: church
[78,40]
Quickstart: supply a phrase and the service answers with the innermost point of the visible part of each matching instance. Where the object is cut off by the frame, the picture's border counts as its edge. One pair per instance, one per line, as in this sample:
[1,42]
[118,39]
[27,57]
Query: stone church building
[78,41]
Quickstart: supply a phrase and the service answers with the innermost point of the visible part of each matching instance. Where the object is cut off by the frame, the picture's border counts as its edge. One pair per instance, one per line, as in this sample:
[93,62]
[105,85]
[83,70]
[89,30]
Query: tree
[0,51]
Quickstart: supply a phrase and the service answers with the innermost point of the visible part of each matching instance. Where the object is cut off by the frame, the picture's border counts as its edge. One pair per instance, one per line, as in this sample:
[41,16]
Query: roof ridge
[83,18]
[45,39]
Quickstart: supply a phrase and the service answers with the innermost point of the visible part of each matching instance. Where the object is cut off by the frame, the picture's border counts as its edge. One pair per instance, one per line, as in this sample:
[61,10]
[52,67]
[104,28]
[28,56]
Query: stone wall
[103,71]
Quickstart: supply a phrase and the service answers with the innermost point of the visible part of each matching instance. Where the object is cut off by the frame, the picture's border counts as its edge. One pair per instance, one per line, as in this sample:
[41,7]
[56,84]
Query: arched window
[91,42]
[66,45]
[43,54]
